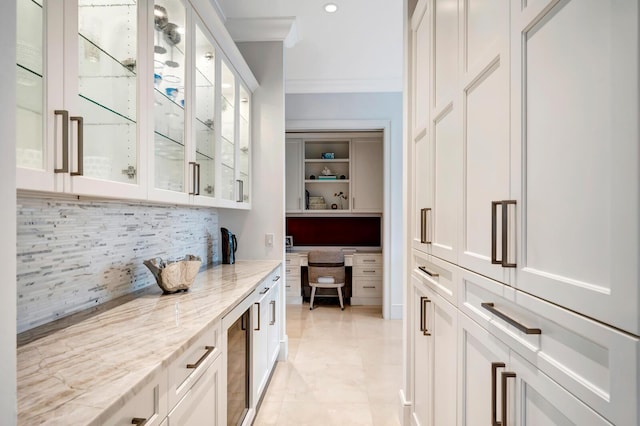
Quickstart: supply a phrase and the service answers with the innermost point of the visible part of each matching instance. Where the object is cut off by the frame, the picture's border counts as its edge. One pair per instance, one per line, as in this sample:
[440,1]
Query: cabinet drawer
[367,288]
[189,366]
[292,286]
[591,360]
[292,260]
[292,271]
[367,271]
[367,259]
[438,274]
[149,402]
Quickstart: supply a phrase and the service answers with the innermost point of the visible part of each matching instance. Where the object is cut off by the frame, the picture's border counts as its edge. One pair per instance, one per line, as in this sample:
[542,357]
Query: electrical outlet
[268,240]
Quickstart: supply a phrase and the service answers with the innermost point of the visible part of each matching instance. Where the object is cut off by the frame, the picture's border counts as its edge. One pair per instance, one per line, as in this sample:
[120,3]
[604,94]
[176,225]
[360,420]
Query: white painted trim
[343,85]
[405,409]
[264,29]
[385,126]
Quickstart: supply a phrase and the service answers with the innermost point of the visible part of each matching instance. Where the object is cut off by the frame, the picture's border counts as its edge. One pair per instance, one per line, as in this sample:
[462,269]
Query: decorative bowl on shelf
[174,276]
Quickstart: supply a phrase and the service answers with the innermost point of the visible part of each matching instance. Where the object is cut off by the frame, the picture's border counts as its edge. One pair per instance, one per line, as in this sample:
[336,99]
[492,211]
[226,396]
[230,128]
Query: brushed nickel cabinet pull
[65,140]
[369,286]
[138,421]
[264,290]
[368,260]
[428,272]
[505,233]
[198,181]
[273,312]
[193,169]
[494,235]
[258,329]
[240,190]
[209,349]
[490,306]
[424,238]
[506,375]
[80,122]
[423,315]
[276,278]
[369,271]
[494,392]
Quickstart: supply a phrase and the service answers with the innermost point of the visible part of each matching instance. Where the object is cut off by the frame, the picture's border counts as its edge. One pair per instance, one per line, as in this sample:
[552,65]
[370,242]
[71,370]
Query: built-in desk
[363,284]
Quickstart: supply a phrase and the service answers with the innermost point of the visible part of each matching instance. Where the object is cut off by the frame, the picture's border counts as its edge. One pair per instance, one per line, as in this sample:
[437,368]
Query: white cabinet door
[78,92]
[485,101]
[293,176]
[420,46]
[202,404]
[576,156]
[260,346]
[481,360]
[367,175]
[534,399]
[445,132]
[422,193]
[273,325]
[435,332]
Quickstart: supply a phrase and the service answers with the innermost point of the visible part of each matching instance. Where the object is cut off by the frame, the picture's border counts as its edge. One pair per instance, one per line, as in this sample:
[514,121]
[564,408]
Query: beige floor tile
[344,368]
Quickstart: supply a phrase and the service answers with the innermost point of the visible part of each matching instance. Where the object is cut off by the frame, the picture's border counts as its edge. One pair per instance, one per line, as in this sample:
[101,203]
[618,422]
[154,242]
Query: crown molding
[264,29]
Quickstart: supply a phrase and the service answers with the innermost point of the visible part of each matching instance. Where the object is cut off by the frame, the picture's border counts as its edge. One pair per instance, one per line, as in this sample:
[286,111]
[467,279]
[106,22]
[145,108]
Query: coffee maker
[229,246]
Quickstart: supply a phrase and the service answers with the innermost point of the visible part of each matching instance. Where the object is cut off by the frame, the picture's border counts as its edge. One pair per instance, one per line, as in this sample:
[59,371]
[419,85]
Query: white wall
[8,405]
[266,60]
[375,107]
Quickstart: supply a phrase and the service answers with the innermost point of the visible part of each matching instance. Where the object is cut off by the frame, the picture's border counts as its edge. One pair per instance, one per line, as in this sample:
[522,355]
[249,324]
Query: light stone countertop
[78,371]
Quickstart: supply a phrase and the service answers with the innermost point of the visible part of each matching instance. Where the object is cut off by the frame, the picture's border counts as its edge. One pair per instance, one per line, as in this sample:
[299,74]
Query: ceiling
[356,49]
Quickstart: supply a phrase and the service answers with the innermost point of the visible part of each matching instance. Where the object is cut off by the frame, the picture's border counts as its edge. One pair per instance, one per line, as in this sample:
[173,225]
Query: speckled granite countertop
[78,370]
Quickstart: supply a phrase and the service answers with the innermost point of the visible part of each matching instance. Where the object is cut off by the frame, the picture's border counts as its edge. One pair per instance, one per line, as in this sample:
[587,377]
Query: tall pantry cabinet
[525,210]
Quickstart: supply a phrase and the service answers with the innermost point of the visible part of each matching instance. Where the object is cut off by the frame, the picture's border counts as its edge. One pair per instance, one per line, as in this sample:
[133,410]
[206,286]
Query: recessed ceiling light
[330,7]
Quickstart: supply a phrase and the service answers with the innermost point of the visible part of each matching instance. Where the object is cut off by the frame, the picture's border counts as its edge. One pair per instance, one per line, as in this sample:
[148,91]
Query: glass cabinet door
[245,138]
[228,148]
[30,139]
[107,90]
[169,82]
[205,72]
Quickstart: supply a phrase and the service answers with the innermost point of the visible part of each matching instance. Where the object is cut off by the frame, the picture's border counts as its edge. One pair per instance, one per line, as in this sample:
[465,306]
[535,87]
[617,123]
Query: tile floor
[344,368]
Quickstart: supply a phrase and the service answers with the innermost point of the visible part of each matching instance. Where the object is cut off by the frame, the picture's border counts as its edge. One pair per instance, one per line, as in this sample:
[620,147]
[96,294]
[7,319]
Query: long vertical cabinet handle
[258,329]
[196,178]
[273,312]
[423,316]
[506,375]
[80,122]
[65,140]
[240,190]
[424,228]
[494,392]
[505,233]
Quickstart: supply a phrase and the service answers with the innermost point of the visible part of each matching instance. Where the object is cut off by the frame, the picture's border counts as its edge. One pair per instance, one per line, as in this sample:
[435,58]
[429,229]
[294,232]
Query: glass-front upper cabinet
[30,74]
[77,113]
[204,123]
[244,156]
[169,67]
[228,132]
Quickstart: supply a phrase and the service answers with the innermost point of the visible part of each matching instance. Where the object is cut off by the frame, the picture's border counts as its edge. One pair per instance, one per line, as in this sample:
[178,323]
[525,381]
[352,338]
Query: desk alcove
[360,239]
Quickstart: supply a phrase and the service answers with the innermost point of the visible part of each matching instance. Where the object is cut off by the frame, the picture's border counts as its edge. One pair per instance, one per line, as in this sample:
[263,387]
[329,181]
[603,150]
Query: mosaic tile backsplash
[72,255]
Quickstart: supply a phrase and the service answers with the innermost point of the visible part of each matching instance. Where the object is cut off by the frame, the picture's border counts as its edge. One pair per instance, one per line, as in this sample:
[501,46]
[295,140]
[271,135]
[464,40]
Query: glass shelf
[228,153]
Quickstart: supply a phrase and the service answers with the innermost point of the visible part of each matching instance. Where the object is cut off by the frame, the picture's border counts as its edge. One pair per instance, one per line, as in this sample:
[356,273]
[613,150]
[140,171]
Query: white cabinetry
[266,335]
[132,100]
[367,176]
[328,172]
[293,280]
[525,197]
[202,402]
[293,176]
[79,82]
[148,405]
[435,334]
[366,279]
[576,156]
[195,393]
